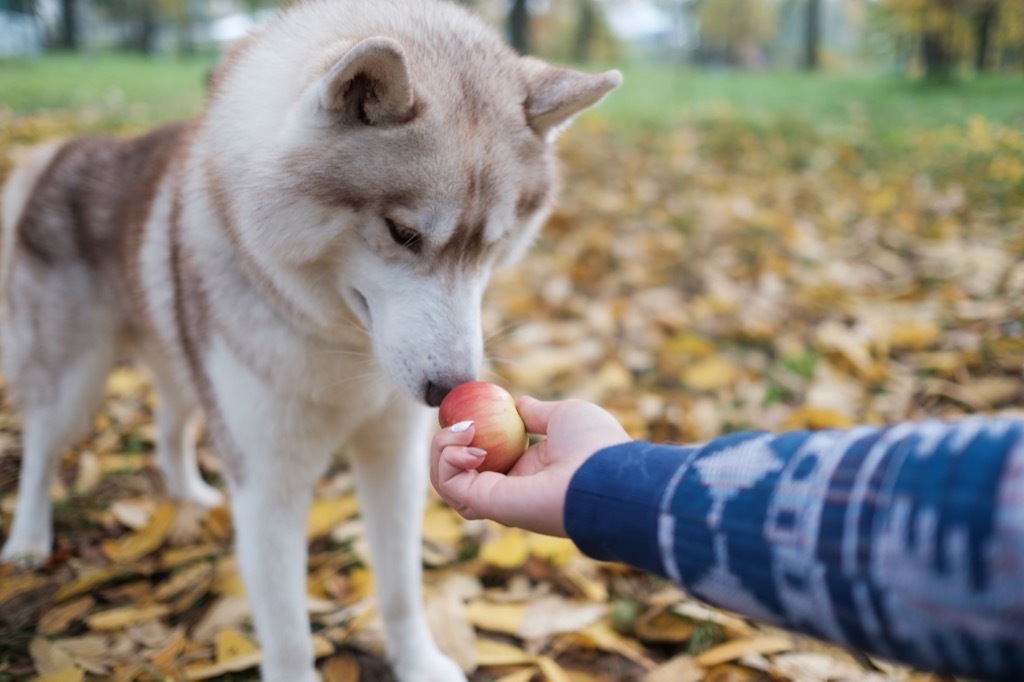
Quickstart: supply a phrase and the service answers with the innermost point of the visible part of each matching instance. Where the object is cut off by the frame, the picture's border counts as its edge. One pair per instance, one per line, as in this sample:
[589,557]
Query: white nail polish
[461,426]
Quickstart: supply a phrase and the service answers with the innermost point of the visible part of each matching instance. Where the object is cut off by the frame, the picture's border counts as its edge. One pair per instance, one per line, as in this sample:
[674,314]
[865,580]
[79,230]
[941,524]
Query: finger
[523,502]
[456,459]
[535,413]
[460,434]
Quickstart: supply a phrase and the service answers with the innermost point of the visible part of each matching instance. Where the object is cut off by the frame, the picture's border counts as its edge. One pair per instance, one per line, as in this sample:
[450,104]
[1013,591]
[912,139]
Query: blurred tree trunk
[144,40]
[936,40]
[984,23]
[519,26]
[69,38]
[938,62]
[585,31]
[812,35]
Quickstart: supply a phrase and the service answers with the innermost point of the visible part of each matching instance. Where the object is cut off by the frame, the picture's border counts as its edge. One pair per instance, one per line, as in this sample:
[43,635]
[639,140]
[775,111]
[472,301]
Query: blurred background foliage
[936,38]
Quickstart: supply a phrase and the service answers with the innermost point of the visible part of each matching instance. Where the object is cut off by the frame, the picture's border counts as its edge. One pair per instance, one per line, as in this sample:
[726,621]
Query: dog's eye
[404,236]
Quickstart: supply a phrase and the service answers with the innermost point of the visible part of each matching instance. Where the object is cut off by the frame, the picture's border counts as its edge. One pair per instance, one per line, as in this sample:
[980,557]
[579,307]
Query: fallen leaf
[341,668]
[115,619]
[12,587]
[525,675]
[134,546]
[96,578]
[324,515]
[230,644]
[510,549]
[503,618]
[814,667]
[729,651]
[554,615]
[49,657]
[662,625]
[680,668]
[69,675]
[452,630]
[551,671]
[711,374]
[135,513]
[490,653]
[58,618]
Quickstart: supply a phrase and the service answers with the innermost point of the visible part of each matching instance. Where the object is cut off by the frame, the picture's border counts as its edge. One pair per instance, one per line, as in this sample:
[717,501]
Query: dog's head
[409,165]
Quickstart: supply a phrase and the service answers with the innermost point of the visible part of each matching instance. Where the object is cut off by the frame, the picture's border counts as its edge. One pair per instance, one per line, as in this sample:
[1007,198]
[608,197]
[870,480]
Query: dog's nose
[436,393]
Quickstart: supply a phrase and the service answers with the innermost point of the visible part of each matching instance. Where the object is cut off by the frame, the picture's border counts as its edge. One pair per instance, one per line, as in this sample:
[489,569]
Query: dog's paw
[434,668]
[201,493]
[29,552]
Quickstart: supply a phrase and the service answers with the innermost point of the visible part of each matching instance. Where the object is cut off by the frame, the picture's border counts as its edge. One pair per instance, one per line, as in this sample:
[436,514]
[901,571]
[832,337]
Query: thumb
[535,414]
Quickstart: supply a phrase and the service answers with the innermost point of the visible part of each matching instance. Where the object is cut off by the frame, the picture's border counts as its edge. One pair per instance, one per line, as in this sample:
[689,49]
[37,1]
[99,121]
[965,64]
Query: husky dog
[304,263]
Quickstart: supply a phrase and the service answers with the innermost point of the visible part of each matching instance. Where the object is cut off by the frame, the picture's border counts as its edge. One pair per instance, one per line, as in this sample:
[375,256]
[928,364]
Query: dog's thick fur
[304,264]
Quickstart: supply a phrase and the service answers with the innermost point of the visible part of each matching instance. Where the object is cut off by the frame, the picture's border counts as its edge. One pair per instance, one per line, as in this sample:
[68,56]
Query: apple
[497,426]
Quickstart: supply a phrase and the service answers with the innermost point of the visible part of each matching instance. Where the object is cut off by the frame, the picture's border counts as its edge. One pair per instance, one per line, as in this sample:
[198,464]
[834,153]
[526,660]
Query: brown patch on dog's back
[95,192]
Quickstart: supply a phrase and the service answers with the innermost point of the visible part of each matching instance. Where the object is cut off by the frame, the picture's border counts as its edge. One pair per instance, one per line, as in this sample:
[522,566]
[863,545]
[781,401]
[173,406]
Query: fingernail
[461,426]
[476,452]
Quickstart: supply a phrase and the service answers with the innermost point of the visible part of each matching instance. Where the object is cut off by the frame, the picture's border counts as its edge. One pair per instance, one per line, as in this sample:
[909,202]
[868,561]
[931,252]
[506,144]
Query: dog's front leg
[390,465]
[274,452]
[269,511]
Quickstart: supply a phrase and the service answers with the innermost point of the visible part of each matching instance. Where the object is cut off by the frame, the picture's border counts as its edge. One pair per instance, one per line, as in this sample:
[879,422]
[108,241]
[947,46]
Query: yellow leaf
[601,636]
[57,618]
[556,550]
[510,549]
[69,675]
[179,556]
[518,676]
[183,580]
[688,345]
[134,546]
[341,668]
[49,657]
[732,650]
[914,335]
[228,582]
[710,374]
[661,625]
[230,644]
[125,382]
[551,671]
[441,524]
[492,653]
[91,580]
[115,619]
[680,668]
[164,658]
[12,587]
[322,646]
[324,515]
[504,618]
[815,418]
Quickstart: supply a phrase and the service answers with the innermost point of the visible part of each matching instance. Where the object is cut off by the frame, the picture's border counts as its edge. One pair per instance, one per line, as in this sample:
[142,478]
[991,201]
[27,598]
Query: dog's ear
[369,84]
[557,94]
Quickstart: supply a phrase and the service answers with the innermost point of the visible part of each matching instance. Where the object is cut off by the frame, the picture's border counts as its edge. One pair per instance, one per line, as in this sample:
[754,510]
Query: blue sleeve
[906,542]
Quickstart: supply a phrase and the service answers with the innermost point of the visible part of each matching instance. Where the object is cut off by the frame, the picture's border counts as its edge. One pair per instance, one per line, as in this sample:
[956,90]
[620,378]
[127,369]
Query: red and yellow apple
[497,426]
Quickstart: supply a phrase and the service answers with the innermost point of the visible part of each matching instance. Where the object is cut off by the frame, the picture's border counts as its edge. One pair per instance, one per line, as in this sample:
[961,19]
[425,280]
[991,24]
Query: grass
[143,88]
[162,89]
[662,94]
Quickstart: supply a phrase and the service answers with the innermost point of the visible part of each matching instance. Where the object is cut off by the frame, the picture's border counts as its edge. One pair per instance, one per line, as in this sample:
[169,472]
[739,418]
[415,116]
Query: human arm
[907,542]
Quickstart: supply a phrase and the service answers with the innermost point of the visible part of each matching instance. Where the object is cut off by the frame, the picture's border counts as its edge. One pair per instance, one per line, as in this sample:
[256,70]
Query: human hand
[532,494]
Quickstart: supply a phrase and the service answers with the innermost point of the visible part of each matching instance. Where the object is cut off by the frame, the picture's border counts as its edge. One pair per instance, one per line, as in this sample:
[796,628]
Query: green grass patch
[661,95]
[141,88]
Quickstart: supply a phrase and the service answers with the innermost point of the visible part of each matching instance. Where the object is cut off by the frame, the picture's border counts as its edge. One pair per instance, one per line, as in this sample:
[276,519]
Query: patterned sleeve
[906,542]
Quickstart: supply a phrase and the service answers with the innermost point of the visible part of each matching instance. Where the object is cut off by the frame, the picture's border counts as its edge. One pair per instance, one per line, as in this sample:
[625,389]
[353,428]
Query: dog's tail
[17,192]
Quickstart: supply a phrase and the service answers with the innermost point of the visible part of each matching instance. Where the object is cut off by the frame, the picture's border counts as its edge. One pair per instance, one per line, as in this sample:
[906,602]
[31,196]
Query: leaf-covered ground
[719,275]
